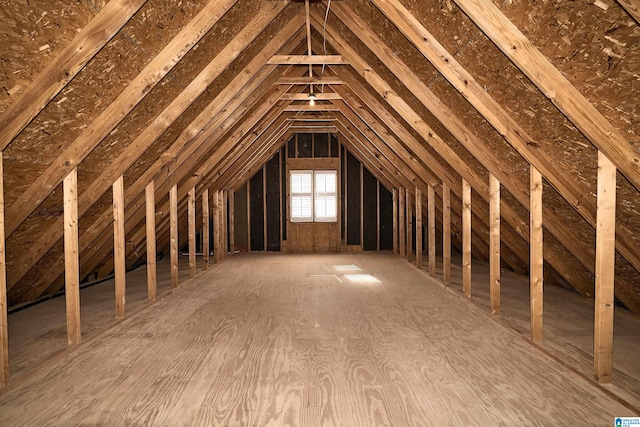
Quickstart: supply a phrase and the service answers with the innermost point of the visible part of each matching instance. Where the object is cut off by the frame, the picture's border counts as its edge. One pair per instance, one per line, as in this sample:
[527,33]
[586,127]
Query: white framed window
[301,196]
[314,196]
[325,196]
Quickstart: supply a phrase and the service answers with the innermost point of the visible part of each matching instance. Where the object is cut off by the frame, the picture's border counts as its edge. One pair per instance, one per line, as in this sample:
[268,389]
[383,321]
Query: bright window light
[314,196]
[349,267]
[361,278]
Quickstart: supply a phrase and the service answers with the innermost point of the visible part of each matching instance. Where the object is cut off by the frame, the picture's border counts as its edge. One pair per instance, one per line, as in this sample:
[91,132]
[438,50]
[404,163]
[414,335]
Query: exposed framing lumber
[4,326]
[306,107]
[466,238]
[444,150]
[409,221]
[244,90]
[232,222]
[163,121]
[418,228]
[605,271]
[59,72]
[150,223]
[403,223]
[71,260]
[537,67]
[119,248]
[135,91]
[224,223]
[494,245]
[395,220]
[306,80]
[191,220]
[537,259]
[327,96]
[205,228]
[173,218]
[307,60]
[491,110]
[446,234]
[431,206]
[216,227]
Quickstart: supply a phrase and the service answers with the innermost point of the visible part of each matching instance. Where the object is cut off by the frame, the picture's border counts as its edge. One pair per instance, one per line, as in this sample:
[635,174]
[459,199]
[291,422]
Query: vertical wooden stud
[71,261]
[248,214]
[223,220]
[191,223]
[150,207]
[205,228]
[264,206]
[446,234]
[232,222]
[216,226]
[466,238]
[4,327]
[536,254]
[377,214]
[418,228]
[605,269]
[409,227]
[395,221]
[119,246]
[173,230]
[402,228]
[494,244]
[361,206]
[431,207]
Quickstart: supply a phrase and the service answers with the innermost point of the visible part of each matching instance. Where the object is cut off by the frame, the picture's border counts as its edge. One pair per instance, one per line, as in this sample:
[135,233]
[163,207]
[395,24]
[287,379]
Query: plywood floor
[294,340]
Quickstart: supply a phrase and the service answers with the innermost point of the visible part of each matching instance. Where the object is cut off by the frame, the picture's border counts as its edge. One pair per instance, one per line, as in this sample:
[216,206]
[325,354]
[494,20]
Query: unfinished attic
[310,212]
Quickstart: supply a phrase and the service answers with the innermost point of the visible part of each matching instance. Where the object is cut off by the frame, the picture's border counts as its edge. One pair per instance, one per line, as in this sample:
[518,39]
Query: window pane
[301,206]
[301,182]
[325,207]
[326,182]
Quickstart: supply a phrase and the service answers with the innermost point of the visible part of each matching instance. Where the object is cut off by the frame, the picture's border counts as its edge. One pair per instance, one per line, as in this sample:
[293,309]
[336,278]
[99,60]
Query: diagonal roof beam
[493,112]
[162,122]
[115,112]
[519,49]
[64,67]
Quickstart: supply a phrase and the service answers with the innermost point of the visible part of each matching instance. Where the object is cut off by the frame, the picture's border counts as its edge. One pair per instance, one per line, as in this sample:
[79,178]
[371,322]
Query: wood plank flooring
[306,340]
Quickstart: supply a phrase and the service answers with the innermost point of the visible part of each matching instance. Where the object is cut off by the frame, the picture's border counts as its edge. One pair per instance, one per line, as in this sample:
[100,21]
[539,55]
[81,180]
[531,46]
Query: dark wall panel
[370,205]
[305,148]
[386,219]
[283,183]
[353,200]
[334,146]
[240,213]
[273,203]
[256,217]
[321,145]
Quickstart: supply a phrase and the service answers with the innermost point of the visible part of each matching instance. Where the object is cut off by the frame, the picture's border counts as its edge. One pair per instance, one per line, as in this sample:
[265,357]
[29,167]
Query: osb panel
[26,286]
[447,94]
[172,85]
[100,82]
[32,34]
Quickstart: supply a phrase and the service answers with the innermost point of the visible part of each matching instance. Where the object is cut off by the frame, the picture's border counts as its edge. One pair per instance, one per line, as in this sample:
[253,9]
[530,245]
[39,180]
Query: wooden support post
[418,228]
[395,221]
[446,234]
[536,262]
[191,213]
[205,228]
[494,244]
[225,213]
[403,223]
[71,257]
[173,231]
[466,238]
[4,327]
[150,205]
[431,200]
[232,222]
[221,225]
[119,252]
[377,214]
[605,269]
[216,226]
[409,227]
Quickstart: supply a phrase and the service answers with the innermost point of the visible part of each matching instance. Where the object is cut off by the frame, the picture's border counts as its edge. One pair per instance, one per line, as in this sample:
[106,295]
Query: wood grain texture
[632,7]
[61,70]
[431,201]
[418,228]
[536,253]
[4,329]
[446,234]
[173,230]
[494,243]
[191,219]
[150,235]
[71,261]
[402,227]
[605,270]
[466,238]
[290,340]
[205,228]
[119,248]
